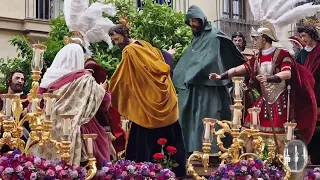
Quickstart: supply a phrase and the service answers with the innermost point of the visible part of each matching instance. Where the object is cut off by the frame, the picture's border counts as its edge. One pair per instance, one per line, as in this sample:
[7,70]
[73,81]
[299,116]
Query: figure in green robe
[199,97]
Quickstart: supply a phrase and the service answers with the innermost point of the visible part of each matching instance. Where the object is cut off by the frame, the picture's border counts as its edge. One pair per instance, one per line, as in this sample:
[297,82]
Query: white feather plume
[280,14]
[264,7]
[66,11]
[297,14]
[274,8]
[286,7]
[255,6]
[89,20]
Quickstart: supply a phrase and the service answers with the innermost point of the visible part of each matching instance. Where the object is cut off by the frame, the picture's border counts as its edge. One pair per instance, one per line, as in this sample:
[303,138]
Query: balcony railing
[229,26]
[43,9]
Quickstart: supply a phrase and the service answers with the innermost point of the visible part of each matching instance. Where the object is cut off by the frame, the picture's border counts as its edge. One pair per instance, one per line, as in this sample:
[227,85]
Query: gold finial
[123,19]
[76,37]
[313,20]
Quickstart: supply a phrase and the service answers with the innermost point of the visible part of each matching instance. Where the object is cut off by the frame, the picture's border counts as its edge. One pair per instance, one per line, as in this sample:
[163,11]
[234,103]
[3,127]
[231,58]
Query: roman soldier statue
[286,88]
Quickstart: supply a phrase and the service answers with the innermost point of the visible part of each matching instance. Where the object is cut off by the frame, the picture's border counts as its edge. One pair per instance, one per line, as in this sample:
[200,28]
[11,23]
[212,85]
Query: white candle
[48,106]
[90,146]
[8,107]
[66,126]
[37,59]
[289,134]
[237,89]
[235,117]
[207,132]
[254,118]
[34,105]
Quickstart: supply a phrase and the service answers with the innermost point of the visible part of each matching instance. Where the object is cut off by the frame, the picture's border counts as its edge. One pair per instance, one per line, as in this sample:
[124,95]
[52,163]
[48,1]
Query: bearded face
[120,40]
[196,26]
[16,83]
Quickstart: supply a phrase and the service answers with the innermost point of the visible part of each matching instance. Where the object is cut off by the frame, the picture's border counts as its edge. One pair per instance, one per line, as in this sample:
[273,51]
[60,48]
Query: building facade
[25,17]
[31,18]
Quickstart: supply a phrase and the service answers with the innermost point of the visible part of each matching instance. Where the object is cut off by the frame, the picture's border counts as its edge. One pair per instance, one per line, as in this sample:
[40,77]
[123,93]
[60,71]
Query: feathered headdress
[86,23]
[274,15]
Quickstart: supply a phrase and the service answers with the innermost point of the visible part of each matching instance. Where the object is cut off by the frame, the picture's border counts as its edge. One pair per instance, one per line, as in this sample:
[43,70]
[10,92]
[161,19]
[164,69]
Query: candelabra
[40,121]
[235,152]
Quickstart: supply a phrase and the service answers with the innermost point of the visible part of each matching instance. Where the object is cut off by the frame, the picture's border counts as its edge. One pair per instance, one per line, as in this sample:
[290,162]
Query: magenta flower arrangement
[17,166]
[313,174]
[247,169]
[130,170]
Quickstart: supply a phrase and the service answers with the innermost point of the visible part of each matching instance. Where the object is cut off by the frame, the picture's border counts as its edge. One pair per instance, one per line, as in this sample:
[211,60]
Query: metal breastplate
[270,91]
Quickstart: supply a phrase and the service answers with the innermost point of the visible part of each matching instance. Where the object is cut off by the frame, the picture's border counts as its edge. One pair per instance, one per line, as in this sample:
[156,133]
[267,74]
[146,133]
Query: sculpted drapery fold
[82,98]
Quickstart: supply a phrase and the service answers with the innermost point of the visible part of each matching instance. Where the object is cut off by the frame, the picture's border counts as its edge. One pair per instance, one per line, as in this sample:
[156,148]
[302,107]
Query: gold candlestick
[92,162]
[237,115]
[237,90]
[64,149]
[289,126]
[206,148]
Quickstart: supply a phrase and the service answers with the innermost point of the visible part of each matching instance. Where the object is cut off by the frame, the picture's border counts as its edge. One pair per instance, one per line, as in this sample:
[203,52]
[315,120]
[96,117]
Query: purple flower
[58,168]
[37,160]
[257,173]
[74,174]
[105,169]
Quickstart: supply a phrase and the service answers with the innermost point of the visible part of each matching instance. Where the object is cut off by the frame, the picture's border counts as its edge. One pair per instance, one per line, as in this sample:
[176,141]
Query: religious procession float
[264,162]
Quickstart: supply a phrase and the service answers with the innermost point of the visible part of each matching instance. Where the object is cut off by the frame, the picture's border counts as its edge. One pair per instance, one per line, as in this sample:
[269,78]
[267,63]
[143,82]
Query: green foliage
[158,24]
[22,62]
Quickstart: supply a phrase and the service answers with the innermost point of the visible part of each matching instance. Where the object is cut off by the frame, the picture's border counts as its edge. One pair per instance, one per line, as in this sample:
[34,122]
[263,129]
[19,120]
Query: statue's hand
[172,52]
[214,76]
[105,85]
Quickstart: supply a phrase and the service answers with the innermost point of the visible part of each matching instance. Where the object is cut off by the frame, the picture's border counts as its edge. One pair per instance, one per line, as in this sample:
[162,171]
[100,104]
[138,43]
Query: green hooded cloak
[199,97]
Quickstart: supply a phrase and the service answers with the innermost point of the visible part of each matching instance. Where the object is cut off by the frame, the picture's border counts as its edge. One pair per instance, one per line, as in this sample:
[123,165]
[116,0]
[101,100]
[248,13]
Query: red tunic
[278,110]
[303,107]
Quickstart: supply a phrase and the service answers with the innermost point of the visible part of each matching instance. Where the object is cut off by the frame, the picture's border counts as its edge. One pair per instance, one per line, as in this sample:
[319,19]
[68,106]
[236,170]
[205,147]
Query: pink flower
[62,173]
[46,163]
[33,176]
[50,172]
[109,176]
[244,168]
[37,160]
[124,173]
[152,174]
[105,169]
[158,166]
[1,169]
[231,173]
[58,168]
[251,162]
[28,164]
[18,168]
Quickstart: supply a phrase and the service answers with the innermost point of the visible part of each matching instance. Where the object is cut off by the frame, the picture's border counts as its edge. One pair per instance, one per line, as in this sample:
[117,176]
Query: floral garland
[130,170]
[313,174]
[17,166]
[247,169]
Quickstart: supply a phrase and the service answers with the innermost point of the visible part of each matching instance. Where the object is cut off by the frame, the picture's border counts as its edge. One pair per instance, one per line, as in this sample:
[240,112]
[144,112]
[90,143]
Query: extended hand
[261,79]
[214,76]
[172,52]
[105,85]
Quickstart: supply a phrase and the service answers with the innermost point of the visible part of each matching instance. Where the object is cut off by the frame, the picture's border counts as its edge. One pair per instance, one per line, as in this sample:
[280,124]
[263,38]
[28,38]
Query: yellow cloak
[141,88]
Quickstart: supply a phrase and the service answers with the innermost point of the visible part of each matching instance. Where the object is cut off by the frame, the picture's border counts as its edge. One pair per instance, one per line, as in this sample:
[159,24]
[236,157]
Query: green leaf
[174,165]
